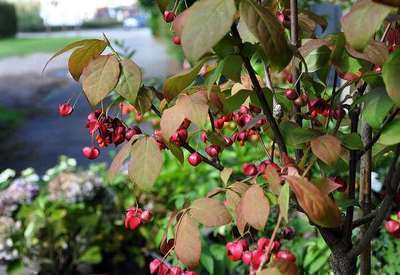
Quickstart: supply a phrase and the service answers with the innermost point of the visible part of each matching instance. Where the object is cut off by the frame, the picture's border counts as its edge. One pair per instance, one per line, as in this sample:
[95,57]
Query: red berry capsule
[169,16]
[177,40]
[285,255]
[246,257]
[65,109]
[182,134]
[91,152]
[146,216]
[219,123]
[393,227]
[249,169]
[154,265]
[203,137]
[195,159]
[291,94]
[213,150]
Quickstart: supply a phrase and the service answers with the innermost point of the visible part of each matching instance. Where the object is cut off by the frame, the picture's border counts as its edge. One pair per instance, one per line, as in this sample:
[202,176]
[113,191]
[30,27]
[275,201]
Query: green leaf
[144,99]
[363,21]
[92,255]
[162,4]
[318,58]
[283,201]
[15,267]
[100,78]
[377,104]
[206,24]
[146,162]
[265,26]
[207,262]
[80,43]
[81,57]
[391,133]
[233,102]
[390,73]
[176,151]
[232,67]
[295,136]
[177,83]
[351,141]
[130,80]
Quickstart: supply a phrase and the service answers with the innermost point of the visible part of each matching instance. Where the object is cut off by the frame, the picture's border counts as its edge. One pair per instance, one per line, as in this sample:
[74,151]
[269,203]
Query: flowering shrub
[321,135]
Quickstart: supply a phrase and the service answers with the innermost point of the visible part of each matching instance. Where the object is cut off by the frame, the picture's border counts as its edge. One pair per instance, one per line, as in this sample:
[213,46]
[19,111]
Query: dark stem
[260,95]
[211,120]
[391,183]
[365,198]
[363,220]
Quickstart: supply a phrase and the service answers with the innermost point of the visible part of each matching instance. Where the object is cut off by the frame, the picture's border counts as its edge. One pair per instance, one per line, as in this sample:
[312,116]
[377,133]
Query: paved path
[44,135]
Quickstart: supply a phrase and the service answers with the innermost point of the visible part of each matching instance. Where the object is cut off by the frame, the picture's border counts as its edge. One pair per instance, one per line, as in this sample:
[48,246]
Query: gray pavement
[44,135]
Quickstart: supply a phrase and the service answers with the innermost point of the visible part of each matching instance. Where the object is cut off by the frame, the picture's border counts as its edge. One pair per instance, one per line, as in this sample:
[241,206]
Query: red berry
[154,265]
[341,182]
[244,119]
[169,16]
[257,257]
[234,250]
[288,233]
[219,123]
[299,102]
[91,152]
[182,134]
[203,137]
[213,150]
[132,218]
[246,257]
[244,244]
[190,273]
[130,132]
[393,227]
[185,124]
[263,243]
[94,115]
[163,269]
[195,159]
[317,104]
[314,114]
[291,94]
[146,216]
[175,139]
[398,215]
[378,69]
[176,39]
[249,169]
[255,109]
[65,109]
[280,16]
[339,113]
[175,270]
[228,141]
[285,255]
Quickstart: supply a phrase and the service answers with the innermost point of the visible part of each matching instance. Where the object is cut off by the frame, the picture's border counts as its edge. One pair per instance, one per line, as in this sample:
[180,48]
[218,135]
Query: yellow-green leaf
[130,80]
[146,162]
[177,83]
[264,25]
[206,24]
[283,201]
[363,21]
[71,46]
[81,57]
[100,78]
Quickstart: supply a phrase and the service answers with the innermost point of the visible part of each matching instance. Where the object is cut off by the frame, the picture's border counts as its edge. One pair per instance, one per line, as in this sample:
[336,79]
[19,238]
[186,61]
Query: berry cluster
[135,217]
[251,169]
[392,226]
[239,251]
[317,106]
[109,130]
[163,269]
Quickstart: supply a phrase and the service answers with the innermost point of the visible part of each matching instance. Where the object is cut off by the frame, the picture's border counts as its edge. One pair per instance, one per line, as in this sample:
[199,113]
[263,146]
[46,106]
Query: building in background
[75,12]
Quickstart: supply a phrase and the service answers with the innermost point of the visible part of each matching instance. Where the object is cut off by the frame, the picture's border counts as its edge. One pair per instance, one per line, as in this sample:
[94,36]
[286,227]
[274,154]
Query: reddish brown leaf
[273,178]
[269,271]
[215,192]
[320,208]
[240,221]
[327,148]
[285,267]
[255,207]
[376,52]
[210,212]
[225,175]
[170,121]
[120,157]
[187,242]
[234,192]
[327,186]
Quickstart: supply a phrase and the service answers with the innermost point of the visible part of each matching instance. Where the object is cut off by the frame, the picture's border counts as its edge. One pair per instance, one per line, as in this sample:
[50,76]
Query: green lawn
[25,46]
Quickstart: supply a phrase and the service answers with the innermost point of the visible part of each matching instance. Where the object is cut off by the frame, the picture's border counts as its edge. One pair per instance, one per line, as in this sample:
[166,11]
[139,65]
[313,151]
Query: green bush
[8,20]
[29,19]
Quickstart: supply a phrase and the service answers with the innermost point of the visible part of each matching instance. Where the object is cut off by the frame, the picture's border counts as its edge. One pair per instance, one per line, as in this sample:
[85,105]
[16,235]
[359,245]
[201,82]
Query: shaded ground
[44,135]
